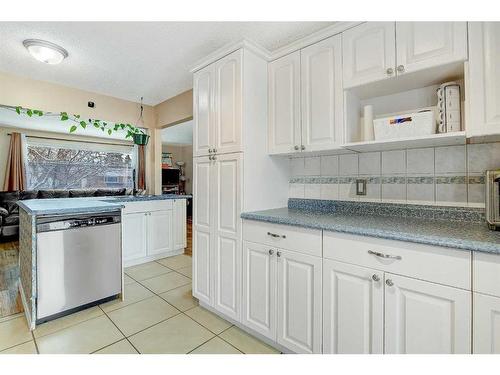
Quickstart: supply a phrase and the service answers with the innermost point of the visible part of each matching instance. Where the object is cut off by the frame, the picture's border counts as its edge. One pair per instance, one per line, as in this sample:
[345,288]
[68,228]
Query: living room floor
[10,299]
[159,316]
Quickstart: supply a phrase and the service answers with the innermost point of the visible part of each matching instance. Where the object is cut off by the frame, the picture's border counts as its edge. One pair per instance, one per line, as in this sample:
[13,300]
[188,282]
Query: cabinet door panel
[368,52]
[228,74]
[353,309]
[160,232]
[284,104]
[203,97]
[422,45]
[202,265]
[322,95]
[299,302]
[202,192]
[426,318]
[179,224]
[227,203]
[486,324]
[259,289]
[134,229]
[484,78]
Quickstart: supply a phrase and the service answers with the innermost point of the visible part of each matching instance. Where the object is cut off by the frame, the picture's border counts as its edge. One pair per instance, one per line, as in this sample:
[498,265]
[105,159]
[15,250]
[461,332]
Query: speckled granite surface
[464,235]
[86,205]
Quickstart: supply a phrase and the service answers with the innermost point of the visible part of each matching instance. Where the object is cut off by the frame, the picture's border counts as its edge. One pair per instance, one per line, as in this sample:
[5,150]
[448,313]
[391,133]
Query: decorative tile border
[462,214]
[450,180]
[389,180]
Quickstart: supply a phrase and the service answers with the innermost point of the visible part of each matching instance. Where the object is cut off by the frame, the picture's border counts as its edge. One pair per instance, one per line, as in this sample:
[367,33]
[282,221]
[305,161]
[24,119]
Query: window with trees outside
[56,164]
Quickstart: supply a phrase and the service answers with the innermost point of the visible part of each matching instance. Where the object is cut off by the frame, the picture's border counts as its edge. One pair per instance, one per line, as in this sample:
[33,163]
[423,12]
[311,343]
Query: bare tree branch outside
[52,167]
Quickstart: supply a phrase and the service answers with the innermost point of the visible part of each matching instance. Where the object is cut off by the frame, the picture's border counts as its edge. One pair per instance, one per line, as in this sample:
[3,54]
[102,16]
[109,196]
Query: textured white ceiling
[133,59]
[180,134]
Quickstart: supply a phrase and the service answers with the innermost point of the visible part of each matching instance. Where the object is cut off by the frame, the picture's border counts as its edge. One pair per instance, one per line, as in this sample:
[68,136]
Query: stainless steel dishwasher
[79,262]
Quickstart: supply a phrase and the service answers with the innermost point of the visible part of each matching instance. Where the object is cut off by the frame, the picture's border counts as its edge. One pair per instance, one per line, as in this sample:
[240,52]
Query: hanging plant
[137,134]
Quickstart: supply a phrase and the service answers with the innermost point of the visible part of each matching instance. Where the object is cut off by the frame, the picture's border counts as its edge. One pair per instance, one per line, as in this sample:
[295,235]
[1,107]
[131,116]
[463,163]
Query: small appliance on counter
[493,199]
[449,107]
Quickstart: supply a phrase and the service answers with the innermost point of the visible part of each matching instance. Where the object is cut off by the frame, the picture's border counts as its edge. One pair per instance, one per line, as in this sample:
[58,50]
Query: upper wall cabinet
[369,53]
[484,78]
[375,51]
[217,107]
[322,95]
[422,45]
[284,104]
[305,99]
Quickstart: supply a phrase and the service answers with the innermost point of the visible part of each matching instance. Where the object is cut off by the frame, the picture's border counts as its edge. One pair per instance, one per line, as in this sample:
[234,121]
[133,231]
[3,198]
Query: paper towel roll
[368,134]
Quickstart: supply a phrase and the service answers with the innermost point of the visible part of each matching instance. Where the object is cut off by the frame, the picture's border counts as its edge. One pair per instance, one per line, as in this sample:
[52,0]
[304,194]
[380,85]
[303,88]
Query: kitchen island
[144,227]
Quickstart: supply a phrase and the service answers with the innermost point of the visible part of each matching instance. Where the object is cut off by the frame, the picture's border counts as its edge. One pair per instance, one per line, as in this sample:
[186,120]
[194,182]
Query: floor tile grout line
[119,330]
[152,291]
[203,343]
[149,278]
[13,346]
[34,341]
[194,320]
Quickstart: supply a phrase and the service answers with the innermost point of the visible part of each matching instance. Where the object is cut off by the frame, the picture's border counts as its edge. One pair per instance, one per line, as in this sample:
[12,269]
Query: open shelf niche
[397,96]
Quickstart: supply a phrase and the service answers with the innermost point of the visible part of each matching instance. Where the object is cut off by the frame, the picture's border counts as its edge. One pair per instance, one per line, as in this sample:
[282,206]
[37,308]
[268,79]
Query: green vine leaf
[110,131]
[29,112]
[18,110]
[72,129]
[83,124]
[64,116]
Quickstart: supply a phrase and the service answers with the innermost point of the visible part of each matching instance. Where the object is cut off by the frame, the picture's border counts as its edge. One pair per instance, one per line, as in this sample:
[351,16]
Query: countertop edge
[467,245]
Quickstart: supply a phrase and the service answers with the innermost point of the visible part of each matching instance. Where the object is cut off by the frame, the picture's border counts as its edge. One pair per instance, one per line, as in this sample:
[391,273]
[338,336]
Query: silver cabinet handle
[296,148]
[214,157]
[302,147]
[278,254]
[214,150]
[271,251]
[276,235]
[209,150]
[389,71]
[210,157]
[389,282]
[382,255]
[400,68]
[375,277]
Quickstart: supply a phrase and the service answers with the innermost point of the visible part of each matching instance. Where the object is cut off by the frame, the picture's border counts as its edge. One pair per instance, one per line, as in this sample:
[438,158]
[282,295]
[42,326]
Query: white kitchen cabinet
[149,230]
[299,324]
[134,232]
[484,79]
[202,229]
[426,318]
[179,224]
[369,53]
[422,45]
[227,233]
[259,289]
[160,232]
[353,309]
[203,117]
[486,326]
[227,109]
[322,95]
[285,133]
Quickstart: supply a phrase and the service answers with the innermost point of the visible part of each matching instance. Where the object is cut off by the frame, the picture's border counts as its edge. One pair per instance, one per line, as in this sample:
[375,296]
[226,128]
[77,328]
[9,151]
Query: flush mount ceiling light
[44,51]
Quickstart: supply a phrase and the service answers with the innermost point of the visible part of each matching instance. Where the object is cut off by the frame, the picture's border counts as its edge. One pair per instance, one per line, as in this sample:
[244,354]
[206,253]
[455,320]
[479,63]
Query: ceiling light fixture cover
[44,51]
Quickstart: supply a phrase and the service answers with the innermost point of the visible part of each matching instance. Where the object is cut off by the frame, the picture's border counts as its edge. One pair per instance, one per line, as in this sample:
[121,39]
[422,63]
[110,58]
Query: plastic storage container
[408,125]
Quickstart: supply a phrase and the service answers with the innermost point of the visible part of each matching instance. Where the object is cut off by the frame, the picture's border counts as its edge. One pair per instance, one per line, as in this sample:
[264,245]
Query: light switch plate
[361,186]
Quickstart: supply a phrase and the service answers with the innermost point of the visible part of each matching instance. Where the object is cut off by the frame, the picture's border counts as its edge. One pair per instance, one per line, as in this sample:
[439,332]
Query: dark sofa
[9,210]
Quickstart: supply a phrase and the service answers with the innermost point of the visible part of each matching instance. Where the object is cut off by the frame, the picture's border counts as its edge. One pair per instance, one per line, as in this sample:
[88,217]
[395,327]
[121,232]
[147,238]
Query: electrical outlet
[361,186]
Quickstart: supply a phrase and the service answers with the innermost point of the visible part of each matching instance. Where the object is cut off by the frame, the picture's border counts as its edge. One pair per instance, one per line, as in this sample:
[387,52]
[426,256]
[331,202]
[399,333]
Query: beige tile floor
[159,315]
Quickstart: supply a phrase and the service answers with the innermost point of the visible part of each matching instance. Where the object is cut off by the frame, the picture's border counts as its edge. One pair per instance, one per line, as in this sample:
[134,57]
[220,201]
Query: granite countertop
[460,235]
[56,206]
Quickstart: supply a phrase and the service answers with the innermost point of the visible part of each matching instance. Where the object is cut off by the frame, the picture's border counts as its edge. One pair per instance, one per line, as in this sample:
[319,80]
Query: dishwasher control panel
[63,223]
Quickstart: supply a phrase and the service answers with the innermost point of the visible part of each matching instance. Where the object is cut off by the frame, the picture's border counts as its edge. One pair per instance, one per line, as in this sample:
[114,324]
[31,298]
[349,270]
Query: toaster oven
[493,199]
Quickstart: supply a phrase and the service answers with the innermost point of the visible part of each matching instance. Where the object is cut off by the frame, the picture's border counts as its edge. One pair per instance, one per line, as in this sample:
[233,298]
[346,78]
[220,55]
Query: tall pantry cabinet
[232,172]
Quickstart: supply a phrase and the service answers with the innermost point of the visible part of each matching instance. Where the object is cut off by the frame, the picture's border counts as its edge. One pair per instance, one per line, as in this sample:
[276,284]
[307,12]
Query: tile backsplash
[451,175]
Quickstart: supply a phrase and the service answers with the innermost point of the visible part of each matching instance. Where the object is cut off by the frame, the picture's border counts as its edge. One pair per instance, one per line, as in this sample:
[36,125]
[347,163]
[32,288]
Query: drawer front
[438,264]
[486,271]
[131,207]
[306,241]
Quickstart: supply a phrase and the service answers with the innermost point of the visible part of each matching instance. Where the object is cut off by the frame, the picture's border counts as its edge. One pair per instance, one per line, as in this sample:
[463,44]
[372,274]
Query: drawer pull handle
[386,256]
[271,251]
[276,235]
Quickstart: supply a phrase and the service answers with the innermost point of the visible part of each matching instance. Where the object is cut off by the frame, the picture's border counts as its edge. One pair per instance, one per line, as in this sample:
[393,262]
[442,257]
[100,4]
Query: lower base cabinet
[426,318]
[353,309]
[282,296]
[486,324]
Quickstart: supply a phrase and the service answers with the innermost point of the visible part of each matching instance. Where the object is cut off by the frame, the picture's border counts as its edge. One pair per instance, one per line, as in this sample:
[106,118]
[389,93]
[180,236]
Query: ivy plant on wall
[76,121]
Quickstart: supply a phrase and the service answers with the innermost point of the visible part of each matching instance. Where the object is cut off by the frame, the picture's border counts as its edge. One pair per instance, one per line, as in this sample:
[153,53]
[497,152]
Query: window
[54,164]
